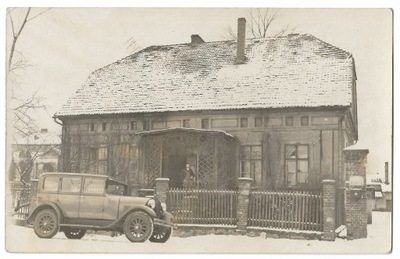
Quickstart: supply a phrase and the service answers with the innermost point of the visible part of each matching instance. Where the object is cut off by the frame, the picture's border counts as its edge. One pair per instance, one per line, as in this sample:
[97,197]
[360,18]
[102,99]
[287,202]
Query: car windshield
[116,188]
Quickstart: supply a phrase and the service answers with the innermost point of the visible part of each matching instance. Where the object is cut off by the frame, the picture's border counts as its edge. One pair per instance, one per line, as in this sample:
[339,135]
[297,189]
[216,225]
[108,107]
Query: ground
[22,239]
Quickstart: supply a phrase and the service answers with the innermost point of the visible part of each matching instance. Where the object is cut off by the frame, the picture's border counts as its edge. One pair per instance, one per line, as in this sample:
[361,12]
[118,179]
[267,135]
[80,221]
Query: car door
[92,198]
[69,195]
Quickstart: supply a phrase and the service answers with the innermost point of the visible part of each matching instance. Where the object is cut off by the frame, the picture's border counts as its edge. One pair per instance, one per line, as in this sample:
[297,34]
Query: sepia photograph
[198,130]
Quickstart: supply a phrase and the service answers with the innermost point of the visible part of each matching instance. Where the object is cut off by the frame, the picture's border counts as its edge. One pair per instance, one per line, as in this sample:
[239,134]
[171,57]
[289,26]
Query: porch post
[243,203]
[328,210]
[162,187]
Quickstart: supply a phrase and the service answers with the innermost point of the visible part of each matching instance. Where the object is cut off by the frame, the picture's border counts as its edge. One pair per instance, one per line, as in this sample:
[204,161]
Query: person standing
[189,180]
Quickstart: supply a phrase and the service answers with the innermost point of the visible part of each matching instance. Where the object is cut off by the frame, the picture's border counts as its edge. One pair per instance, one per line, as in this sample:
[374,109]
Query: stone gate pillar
[328,210]
[356,197]
[162,187]
[243,203]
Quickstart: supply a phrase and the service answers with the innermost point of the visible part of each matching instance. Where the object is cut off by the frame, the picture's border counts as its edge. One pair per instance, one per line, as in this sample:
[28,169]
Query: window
[304,120]
[258,122]
[250,162]
[186,123]
[71,184]
[133,125]
[146,125]
[102,153]
[289,121]
[243,122]
[296,157]
[104,126]
[92,127]
[205,123]
[50,184]
[93,186]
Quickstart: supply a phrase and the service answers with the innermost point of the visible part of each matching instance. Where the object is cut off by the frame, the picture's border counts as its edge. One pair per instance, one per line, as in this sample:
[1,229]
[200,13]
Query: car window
[50,183]
[93,186]
[71,184]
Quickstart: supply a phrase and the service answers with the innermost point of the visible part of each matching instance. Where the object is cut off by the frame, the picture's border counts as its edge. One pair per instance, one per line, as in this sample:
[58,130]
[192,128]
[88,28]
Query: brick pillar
[356,198]
[33,194]
[243,203]
[328,210]
[162,186]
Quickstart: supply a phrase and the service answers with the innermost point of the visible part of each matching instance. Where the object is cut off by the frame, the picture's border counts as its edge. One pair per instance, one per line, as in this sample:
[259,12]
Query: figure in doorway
[189,180]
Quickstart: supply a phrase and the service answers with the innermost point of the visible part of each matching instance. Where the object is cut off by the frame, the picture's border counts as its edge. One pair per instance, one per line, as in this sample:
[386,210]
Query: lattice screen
[206,163]
[152,163]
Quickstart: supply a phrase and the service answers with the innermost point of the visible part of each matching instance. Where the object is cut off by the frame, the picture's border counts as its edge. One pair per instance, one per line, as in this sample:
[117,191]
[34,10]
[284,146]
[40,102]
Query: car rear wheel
[74,233]
[160,234]
[46,224]
[138,226]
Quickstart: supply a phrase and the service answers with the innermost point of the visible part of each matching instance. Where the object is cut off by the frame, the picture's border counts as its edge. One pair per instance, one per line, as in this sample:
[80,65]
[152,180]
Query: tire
[74,233]
[138,226]
[160,234]
[46,224]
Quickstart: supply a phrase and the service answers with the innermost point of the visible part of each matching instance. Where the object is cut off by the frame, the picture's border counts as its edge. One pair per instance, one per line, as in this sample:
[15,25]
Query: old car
[74,203]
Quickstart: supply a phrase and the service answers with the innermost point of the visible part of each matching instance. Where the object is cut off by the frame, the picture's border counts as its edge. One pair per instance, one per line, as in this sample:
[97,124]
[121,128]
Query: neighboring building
[34,155]
[381,192]
[279,110]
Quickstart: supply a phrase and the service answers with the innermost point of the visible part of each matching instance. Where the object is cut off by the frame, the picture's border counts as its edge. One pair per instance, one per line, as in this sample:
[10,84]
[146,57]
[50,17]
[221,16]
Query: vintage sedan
[73,203]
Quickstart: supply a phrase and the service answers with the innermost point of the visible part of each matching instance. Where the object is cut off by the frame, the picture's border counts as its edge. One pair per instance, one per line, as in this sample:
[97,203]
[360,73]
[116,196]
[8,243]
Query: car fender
[143,208]
[42,206]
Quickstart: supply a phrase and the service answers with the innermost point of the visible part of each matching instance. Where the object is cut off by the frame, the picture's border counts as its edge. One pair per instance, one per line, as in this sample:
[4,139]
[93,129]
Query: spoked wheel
[160,234]
[46,224]
[74,233]
[138,226]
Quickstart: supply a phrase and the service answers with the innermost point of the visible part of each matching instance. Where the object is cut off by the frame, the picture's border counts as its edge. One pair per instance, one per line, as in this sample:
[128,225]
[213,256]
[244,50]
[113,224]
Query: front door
[173,163]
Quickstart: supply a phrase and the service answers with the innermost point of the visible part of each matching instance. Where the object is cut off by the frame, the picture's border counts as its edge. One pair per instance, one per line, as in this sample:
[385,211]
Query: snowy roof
[291,71]
[39,138]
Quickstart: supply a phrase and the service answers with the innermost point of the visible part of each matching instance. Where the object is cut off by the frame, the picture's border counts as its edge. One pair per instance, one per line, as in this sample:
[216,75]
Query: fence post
[243,203]
[162,186]
[328,210]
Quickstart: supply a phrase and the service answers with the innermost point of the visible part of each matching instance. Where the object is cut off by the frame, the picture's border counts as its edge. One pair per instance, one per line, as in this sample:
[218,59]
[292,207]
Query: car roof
[72,174]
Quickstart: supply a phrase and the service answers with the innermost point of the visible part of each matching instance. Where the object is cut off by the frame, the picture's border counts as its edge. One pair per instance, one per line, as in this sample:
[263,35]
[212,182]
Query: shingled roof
[281,72]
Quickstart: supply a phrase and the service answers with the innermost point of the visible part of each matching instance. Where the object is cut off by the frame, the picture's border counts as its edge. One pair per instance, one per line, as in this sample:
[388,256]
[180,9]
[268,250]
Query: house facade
[277,110]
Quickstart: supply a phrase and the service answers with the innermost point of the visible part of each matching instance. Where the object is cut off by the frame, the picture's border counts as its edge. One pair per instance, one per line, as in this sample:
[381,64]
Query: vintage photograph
[198,130]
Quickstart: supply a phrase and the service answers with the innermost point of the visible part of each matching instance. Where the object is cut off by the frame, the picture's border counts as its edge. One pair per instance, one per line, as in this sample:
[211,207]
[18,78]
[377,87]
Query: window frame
[252,161]
[260,118]
[297,161]
[205,123]
[91,193]
[306,119]
[289,119]
[242,124]
[61,191]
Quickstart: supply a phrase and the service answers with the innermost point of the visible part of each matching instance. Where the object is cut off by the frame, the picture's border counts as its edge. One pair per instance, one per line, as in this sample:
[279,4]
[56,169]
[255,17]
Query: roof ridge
[349,55]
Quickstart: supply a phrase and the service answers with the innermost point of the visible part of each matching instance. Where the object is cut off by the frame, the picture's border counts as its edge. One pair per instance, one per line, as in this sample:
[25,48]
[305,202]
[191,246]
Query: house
[34,154]
[278,110]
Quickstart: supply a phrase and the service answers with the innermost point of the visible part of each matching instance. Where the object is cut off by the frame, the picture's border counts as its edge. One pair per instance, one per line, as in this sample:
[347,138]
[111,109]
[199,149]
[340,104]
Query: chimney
[386,173]
[44,131]
[241,41]
[197,39]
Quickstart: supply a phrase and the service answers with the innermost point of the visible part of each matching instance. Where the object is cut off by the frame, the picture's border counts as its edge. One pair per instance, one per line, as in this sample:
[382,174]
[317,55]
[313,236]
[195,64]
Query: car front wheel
[138,226]
[74,233]
[160,234]
[46,224]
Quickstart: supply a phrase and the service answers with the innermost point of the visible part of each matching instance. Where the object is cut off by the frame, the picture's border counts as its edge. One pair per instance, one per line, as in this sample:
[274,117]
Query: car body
[73,203]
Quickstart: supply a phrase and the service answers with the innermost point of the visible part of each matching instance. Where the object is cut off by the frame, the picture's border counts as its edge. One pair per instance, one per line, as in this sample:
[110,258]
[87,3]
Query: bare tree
[260,23]
[22,107]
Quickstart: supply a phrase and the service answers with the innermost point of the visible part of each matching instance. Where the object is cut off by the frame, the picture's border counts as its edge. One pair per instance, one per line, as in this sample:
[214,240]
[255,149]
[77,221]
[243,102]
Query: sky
[64,45]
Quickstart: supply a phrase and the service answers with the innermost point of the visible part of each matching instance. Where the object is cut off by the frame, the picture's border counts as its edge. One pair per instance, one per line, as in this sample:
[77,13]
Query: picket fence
[196,206]
[295,210]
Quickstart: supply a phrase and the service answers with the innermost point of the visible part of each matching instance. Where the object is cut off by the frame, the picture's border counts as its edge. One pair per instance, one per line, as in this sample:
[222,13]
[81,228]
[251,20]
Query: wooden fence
[298,210]
[206,207]
[21,200]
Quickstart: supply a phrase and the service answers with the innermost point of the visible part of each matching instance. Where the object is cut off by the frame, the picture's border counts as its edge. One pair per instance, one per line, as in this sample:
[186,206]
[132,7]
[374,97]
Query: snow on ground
[22,239]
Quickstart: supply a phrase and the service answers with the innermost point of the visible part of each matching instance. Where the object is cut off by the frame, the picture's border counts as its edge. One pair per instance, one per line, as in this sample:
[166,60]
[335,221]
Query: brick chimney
[386,173]
[241,41]
[196,39]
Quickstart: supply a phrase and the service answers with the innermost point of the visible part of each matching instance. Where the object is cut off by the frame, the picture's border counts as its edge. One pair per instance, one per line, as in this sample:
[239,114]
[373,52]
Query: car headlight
[164,206]
[151,203]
